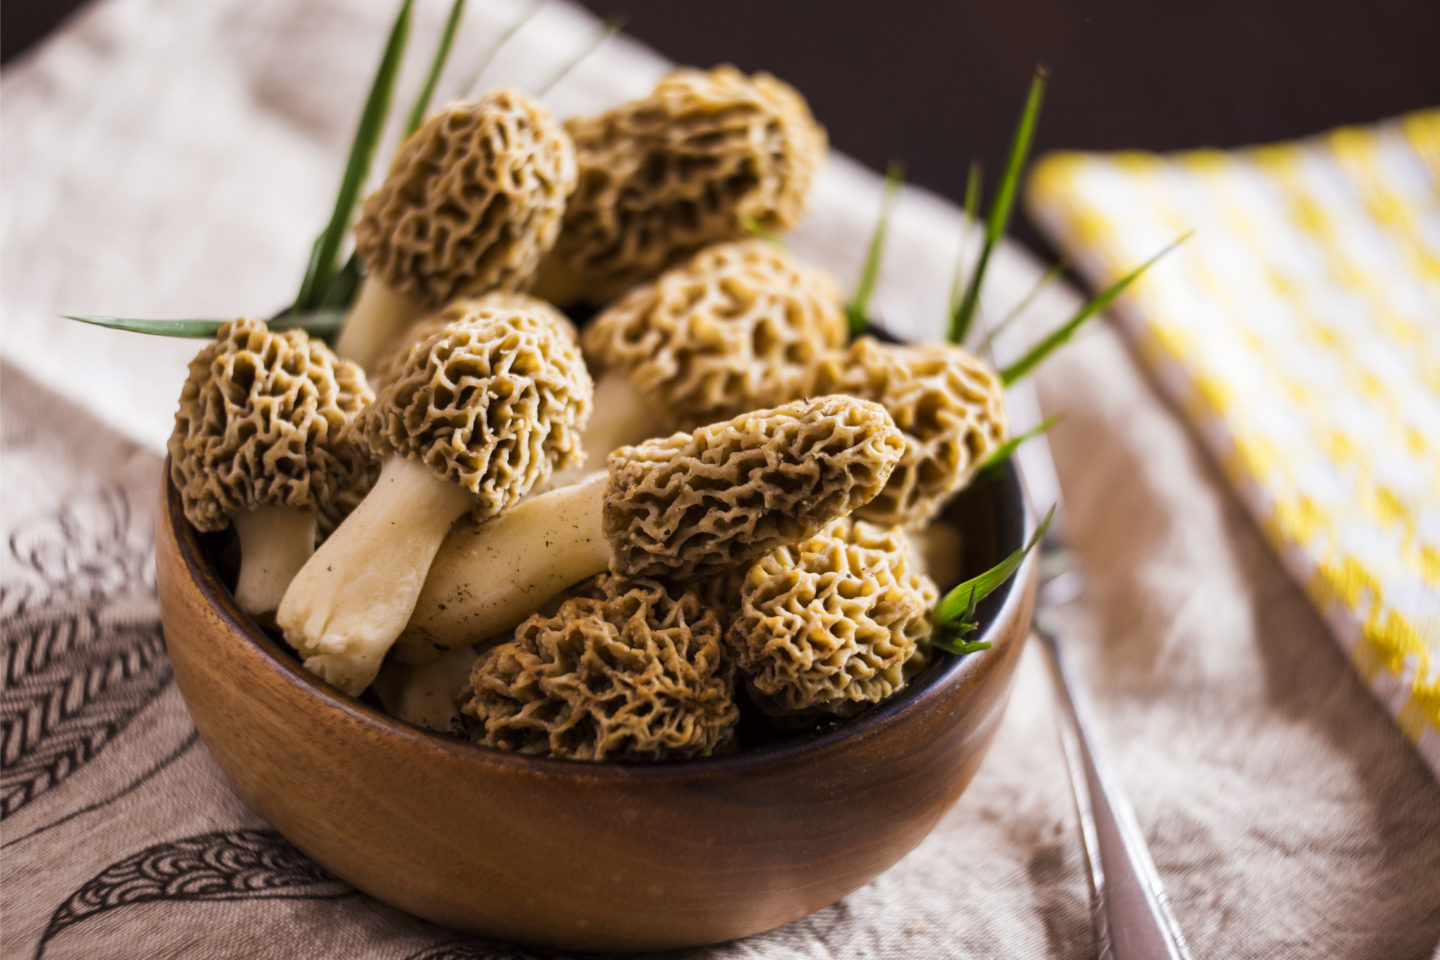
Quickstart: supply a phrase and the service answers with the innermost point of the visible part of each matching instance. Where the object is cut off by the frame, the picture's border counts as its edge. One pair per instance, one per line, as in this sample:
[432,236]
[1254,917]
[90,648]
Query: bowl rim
[1001,607]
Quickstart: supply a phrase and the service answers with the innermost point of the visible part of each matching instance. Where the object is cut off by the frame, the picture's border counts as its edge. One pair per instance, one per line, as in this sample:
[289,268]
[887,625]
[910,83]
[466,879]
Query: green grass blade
[1066,330]
[1050,277]
[958,606]
[1001,208]
[437,66]
[319,323]
[357,167]
[192,329]
[341,292]
[972,212]
[857,311]
[1007,449]
[470,88]
[609,28]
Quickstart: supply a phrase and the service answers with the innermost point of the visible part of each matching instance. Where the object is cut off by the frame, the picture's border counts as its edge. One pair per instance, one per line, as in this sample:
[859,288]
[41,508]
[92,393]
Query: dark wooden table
[935,83]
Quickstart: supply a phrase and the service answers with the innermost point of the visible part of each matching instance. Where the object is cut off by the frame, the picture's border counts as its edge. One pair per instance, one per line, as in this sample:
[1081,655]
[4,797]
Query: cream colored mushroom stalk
[427,695]
[261,442]
[707,156]
[685,507]
[471,204]
[627,670]
[736,327]
[949,404]
[479,415]
[832,624]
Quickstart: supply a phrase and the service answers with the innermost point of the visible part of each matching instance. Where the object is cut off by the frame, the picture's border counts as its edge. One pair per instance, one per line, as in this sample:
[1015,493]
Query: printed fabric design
[1299,331]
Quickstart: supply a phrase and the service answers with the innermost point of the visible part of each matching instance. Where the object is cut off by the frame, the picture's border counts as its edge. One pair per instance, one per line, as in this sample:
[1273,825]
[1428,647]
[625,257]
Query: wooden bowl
[590,856]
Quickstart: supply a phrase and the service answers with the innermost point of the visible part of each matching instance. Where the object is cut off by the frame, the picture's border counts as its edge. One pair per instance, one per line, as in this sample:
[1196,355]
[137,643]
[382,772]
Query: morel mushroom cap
[737,327]
[705,154]
[260,423]
[829,625]
[475,419]
[262,439]
[681,507]
[472,202]
[949,404]
[694,503]
[627,670]
[519,309]
[492,402]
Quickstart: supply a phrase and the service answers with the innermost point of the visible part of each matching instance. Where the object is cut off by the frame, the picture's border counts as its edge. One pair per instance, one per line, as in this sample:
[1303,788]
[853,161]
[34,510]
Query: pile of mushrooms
[603,544]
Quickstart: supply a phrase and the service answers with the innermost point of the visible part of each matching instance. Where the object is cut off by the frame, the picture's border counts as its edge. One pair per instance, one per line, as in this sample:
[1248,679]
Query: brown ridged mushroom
[682,507]
[627,670]
[261,442]
[736,327]
[472,203]
[949,404]
[477,418]
[832,624]
[519,308]
[707,155]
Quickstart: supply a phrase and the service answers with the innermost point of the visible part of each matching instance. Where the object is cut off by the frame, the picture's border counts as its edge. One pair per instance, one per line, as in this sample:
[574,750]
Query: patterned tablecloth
[169,158]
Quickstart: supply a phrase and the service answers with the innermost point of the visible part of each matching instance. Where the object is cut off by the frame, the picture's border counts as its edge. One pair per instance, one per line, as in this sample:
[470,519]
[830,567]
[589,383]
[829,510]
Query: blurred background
[935,83]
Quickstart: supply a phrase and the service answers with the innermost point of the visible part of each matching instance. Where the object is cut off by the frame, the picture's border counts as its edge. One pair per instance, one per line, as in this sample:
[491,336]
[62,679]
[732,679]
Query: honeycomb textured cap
[949,404]
[473,200]
[518,308]
[706,152]
[629,669]
[493,402]
[737,327]
[831,624]
[352,483]
[696,503]
[262,421]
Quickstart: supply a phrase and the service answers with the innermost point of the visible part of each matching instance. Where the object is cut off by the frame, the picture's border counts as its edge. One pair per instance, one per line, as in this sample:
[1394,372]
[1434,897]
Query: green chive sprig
[1007,449]
[320,323]
[437,66]
[972,213]
[857,311]
[954,616]
[1066,330]
[324,253]
[1001,207]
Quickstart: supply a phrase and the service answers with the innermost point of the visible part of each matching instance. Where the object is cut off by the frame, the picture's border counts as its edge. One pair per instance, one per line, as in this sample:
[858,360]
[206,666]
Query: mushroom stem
[348,604]
[621,416]
[427,694]
[376,319]
[275,542]
[524,557]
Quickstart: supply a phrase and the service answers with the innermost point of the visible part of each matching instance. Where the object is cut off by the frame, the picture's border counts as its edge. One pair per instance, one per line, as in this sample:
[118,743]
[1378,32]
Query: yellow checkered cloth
[1299,331]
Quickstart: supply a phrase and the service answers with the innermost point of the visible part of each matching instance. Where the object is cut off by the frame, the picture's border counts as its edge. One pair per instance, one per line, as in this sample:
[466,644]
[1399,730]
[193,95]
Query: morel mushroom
[476,419]
[519,308]
[704,157]
[682,507]
[261,442]
[735,328]
[628,670]
[829,625]
[471,204]
[949,404]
